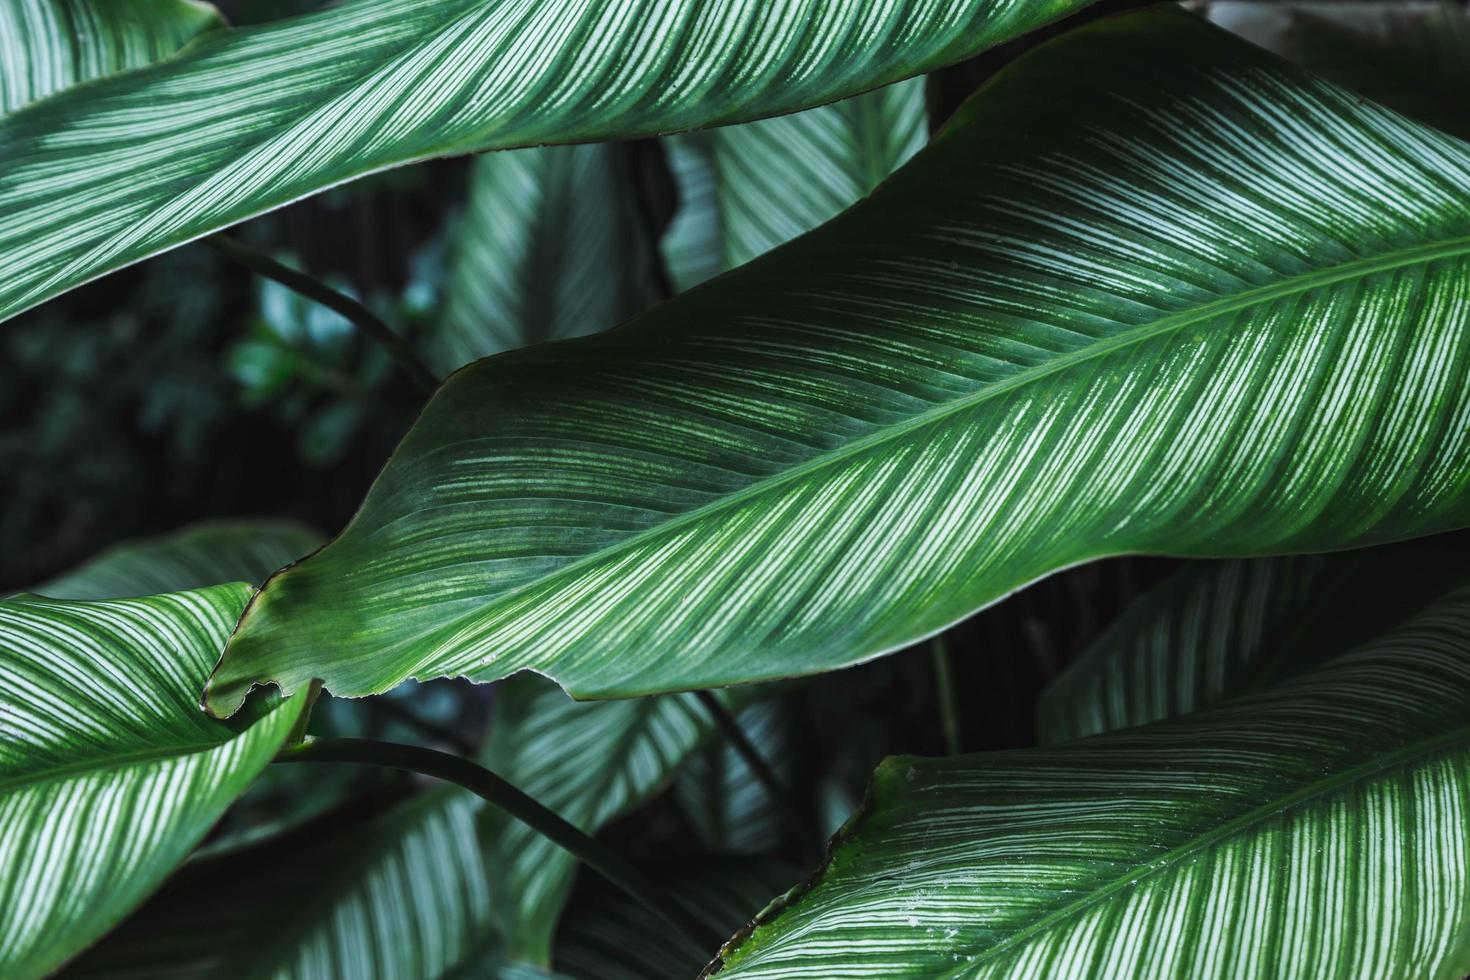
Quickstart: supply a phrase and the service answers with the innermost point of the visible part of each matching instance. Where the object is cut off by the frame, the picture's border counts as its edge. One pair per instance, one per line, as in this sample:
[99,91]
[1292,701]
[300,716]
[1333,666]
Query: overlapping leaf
[208,553]
[589,763]
[1205,305]
[109,773]
[729,807]
[1315,830]
[248,120]
[746,189]
[50,45]
[402,895]
[550,247]
[1218,629]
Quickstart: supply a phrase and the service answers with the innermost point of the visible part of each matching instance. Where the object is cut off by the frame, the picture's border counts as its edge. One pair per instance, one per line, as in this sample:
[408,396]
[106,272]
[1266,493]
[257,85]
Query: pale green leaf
[248,120]
[402,895]
[207,553]
[746,189]
[109,772]
[50,45]
[1319,829]
[1215,630]
[1204,305]
[587,762]
[550,247]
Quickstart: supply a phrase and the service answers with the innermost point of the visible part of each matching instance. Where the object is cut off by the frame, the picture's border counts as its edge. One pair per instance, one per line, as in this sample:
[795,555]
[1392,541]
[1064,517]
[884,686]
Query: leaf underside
[1205,306]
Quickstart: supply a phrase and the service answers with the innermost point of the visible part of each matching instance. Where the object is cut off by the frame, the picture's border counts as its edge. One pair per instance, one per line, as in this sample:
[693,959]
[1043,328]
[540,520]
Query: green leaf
[729,807]
[1315,830]
[50,45]
[550,248]
[607,938]
[109,772]
[1218,629]
[207,553]
[249,120]
[1082,322]
[1413,59]
[589,763]
[746,189]
[401,895]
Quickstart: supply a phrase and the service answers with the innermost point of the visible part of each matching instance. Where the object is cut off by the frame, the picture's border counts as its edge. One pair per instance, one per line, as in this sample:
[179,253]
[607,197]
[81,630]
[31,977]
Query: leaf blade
[990,369]
[259,118]
[1202,846]
[110,770]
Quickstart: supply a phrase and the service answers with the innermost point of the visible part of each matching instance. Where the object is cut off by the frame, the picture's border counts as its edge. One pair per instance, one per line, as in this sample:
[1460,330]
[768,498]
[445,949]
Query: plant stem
[314,289]
[730,728]
[490,787]
[944,681]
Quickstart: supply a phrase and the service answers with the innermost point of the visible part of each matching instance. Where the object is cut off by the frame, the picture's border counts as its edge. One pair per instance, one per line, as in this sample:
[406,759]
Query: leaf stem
[949,714]
[316,290]
[730,728]
[490,787]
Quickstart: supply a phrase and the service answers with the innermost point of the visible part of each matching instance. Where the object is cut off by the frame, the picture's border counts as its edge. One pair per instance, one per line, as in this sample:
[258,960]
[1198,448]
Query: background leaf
[50,45]
[208,553]
[589,763]
[550,247]
[109,773]
[729,807]
[1218,629]
[401,895]
[1315,830]
[258,118]
[746,189]
[1080,323]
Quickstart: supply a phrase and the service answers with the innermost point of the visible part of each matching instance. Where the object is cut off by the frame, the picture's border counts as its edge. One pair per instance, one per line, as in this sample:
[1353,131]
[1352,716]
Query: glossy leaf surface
[549,247]
[109,772]
[1318,830]
[402,895]
[1117,320]
[746,189]
[208,553]
[1215,630]
[249,120]
[589,763]
[50,45]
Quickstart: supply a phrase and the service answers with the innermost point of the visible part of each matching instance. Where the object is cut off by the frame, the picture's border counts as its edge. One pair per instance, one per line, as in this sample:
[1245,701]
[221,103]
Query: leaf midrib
[122,761]
[1226,830]
[1359,268]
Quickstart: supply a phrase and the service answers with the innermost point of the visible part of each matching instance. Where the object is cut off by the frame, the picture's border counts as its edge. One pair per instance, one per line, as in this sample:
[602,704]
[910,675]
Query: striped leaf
[550,247]
[589,763]
[109,773]
[1205,306]
[746,189]
[729,807]
[1319,829]
[50,45]
[1219,629]
[207,553]
[249,120]
[400,896]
